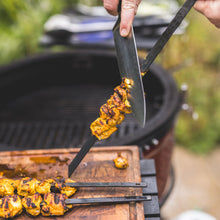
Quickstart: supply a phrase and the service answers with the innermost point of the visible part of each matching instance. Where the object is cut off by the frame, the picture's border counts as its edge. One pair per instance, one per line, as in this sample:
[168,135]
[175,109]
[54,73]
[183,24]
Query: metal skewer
[108,200]
[82,153]
[107,184]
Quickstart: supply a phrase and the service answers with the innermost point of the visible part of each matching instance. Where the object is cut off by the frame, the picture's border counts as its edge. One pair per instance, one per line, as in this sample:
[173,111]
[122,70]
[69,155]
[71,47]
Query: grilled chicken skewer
[29,191]
[35,197]
[29,186]
[113,112]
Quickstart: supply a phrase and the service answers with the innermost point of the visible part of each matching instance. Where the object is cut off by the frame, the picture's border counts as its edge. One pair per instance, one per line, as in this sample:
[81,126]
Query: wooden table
[97,166]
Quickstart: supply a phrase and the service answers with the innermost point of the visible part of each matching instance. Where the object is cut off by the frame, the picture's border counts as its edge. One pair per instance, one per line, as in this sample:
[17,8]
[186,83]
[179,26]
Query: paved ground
[197,184]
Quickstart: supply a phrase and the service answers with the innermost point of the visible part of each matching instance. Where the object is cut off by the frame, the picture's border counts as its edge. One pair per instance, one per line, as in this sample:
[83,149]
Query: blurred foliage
[21,25]
[194,57]
[197,54]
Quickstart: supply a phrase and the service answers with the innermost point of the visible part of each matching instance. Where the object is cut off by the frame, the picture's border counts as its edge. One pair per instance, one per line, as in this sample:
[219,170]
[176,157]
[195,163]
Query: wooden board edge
[132,148]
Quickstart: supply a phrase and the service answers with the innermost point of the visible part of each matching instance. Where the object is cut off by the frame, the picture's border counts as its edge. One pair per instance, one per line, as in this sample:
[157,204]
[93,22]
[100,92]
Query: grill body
[49,101]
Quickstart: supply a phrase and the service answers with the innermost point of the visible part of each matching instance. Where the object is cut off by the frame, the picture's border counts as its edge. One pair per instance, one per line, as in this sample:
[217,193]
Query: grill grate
[57,117]
[27,135]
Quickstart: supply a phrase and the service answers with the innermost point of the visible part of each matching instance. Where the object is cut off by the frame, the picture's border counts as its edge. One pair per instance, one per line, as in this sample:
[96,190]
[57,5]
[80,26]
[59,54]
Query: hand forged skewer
[124,199]
[107,184]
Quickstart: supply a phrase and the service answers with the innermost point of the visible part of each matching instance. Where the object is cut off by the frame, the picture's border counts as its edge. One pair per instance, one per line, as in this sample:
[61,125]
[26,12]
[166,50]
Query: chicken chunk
[32,204]
[101,129]
[63,188]
[43,187]
[54,205]
[6,187]
[121,162]
[27,186]
[10,206]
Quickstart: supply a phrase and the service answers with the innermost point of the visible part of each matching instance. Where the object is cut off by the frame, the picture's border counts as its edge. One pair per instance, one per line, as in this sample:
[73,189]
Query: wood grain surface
[97,166]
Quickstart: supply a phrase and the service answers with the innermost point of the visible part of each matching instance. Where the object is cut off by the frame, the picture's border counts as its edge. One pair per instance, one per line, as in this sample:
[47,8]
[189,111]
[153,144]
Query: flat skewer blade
[107,184]
[129,68]
[108,200]
[166,35]
[81,154]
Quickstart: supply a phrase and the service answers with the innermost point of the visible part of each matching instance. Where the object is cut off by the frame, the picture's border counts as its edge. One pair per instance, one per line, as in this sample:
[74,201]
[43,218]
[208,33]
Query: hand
[211,9]
[128,11]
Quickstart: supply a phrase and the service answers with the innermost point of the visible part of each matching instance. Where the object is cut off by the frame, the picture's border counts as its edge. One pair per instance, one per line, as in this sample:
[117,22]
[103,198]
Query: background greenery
[199,50]
[194,58]
[21,25]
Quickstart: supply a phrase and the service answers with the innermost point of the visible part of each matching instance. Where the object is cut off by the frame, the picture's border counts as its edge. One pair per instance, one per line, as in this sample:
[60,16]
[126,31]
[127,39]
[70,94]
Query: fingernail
[124,32]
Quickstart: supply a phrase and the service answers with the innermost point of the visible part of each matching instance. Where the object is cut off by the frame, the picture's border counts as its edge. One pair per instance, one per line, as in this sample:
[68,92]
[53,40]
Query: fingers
[211,9]
[128,11]
[200,6]
[111,6]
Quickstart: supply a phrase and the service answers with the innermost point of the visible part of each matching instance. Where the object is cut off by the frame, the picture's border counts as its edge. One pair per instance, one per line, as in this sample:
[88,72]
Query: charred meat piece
[112,113]
[43,187]
[10,206]
[63,188]
[27,186]
[32,204]
[101,129]
[54,205]
[6,187]
[120,100]
[121,162]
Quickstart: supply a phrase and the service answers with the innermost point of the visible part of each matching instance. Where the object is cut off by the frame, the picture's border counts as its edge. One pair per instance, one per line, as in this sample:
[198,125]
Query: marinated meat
[6,187]
[27,186]
[113,112]
[43,187]
[32,204]
[54,204]
[30,190]
[121,162]
[10,206]
[63,188]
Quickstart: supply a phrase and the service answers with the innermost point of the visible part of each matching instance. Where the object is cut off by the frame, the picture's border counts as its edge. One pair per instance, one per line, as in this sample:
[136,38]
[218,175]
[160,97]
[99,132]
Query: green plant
[22,23]
[200,45]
